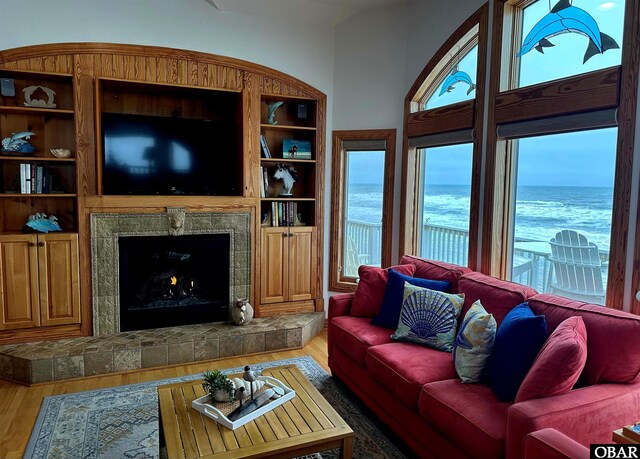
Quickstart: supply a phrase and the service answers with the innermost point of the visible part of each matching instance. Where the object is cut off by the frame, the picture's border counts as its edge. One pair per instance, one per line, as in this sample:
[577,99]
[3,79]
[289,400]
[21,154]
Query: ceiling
[317,12]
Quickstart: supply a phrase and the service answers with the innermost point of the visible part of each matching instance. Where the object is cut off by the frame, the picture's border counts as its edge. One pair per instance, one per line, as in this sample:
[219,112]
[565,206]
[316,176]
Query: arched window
[441,165]
[562,104]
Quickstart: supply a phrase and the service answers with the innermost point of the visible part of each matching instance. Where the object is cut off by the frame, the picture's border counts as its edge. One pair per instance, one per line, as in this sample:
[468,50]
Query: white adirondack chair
[577,268]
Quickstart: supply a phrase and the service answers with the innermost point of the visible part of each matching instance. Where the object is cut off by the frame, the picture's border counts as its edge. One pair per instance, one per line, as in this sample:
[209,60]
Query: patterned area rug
[122,422]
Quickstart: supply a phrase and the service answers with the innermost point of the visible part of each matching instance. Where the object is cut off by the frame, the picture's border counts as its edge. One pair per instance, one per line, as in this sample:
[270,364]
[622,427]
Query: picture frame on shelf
[296,149]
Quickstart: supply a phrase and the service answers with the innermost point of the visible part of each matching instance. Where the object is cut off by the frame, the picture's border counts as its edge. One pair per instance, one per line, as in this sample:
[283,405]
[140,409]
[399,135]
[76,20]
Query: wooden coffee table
[304,425]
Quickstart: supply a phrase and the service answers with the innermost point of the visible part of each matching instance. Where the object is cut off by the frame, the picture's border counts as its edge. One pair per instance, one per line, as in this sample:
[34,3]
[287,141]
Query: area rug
[122,422]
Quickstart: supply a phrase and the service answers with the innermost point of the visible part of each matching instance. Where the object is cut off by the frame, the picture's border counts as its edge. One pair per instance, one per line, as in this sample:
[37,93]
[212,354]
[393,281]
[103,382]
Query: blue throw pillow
[518,341]
[389,314]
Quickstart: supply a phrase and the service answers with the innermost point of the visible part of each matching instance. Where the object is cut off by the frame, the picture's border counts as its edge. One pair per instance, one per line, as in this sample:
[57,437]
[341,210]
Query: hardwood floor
[19,405]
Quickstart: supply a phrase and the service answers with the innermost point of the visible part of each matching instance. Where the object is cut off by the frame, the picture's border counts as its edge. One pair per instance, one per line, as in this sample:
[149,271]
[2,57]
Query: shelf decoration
[18,143]
[40,223]
[296,149]
[60,152]
[40,103]
[566,18]
[288,176]
[272,112]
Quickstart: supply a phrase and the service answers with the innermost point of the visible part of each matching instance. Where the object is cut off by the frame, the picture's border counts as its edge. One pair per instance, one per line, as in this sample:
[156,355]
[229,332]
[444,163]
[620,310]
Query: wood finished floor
[19,405]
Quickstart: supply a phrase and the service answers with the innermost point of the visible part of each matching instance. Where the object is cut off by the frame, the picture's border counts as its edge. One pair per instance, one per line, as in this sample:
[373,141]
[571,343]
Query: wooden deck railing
[452,246]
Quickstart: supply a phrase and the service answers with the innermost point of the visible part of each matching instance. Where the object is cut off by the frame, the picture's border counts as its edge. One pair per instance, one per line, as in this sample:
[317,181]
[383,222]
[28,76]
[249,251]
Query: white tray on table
[203,406]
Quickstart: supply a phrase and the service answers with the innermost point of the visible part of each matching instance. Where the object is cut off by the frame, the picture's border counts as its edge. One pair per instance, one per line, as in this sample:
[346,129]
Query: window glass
[563,204]
[561,39]
[363,194]
[459,84]
[446,203]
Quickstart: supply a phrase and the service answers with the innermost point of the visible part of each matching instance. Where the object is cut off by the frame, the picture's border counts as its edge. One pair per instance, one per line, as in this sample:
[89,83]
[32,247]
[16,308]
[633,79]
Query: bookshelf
[54,187]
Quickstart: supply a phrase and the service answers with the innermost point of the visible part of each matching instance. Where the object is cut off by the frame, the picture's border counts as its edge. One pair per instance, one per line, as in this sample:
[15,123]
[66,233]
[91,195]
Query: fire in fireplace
[173,280]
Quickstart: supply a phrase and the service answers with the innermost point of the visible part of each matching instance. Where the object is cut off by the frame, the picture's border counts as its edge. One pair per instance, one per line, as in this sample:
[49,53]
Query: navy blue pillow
[518,341]
[389,314]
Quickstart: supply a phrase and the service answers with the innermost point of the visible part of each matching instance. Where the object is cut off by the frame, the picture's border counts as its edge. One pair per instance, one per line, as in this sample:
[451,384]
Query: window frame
[458,117]
[583,95]
[338,282]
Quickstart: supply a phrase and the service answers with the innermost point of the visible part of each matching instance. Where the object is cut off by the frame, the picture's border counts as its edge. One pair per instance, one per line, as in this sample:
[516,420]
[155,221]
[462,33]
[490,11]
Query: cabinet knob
[285,235]
[40,244]
[31,244]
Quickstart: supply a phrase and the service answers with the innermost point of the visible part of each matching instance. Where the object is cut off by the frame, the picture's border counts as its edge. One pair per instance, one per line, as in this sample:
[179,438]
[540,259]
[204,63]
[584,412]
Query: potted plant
[218,386]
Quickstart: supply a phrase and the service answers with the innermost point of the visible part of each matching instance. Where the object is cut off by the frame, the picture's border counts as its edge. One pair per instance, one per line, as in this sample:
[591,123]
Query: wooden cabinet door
[59,279]
[19,300]
[302,263]
[273,265]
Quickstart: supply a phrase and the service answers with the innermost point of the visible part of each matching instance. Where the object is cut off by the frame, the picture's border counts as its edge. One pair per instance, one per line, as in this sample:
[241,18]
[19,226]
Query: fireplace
[173,280]
[184,237]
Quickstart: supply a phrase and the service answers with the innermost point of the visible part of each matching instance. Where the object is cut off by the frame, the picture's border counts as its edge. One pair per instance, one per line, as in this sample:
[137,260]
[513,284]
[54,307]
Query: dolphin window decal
[566,18]
[457,76]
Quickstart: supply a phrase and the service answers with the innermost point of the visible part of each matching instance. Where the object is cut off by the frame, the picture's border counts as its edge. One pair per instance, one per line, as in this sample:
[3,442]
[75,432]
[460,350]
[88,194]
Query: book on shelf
[23,178]
[39,171]
[265,179]
[33,178]
[265,147]
[262,191]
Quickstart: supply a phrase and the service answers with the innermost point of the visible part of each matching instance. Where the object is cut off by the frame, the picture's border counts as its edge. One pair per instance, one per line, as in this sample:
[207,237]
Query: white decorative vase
[242,312]
[221,395]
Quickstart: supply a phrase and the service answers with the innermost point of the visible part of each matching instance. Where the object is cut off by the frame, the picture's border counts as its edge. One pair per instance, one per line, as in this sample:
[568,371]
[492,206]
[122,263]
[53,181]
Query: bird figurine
[249,376]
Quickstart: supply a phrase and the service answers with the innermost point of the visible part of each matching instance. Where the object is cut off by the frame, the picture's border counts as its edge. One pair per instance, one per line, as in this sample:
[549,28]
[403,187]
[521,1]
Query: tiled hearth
[39,362]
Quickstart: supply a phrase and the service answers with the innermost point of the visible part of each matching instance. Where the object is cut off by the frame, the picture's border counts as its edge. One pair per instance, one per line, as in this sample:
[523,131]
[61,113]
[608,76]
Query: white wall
[369,71]
[378,55]
[301,50]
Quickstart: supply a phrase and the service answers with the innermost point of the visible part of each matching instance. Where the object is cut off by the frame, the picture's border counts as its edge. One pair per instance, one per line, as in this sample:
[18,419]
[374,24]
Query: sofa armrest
[551,444]
[340,305]
[587,415]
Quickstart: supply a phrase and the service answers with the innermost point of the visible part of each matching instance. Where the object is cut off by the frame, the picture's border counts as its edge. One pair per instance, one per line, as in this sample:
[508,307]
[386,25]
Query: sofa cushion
[429,317]
[389,314]
[438,270]
[403,368]
[469,414]
[559,363]
[354,335]
[369,293]
[474,343]
[497,296]
[608,359]
[518,341]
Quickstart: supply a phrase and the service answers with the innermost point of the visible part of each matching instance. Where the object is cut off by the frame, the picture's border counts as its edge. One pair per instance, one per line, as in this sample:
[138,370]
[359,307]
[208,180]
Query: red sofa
[416,392]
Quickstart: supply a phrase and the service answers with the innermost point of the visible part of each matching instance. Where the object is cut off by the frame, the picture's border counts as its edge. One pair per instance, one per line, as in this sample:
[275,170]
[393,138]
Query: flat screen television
[153,155]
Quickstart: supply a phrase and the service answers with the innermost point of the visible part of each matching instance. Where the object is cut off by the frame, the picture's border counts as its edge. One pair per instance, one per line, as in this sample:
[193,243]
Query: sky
[578,159]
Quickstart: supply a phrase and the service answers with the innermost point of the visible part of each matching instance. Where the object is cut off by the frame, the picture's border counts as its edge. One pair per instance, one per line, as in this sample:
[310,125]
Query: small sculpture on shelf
[288,176]
[242,312]
[41,223]
[18,143]
[40,103]
[272,112]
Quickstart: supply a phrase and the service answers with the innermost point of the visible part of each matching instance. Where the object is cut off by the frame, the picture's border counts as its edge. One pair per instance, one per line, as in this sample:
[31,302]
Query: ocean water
[540,211]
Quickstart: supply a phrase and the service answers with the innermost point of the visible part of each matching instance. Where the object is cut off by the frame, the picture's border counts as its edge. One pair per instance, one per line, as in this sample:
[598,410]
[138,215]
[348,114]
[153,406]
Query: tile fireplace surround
[110,351]
[107,228]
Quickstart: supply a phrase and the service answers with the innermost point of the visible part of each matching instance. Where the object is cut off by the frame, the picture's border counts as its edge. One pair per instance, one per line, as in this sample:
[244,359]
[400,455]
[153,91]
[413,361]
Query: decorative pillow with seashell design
[474,343]
[429,317]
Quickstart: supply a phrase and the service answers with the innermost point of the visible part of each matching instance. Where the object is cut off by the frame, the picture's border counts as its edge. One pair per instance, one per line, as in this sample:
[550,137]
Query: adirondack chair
[352,259]
[577,267]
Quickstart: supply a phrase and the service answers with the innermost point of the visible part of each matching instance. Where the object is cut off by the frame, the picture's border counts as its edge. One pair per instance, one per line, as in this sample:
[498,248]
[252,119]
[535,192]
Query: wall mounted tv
[155,155]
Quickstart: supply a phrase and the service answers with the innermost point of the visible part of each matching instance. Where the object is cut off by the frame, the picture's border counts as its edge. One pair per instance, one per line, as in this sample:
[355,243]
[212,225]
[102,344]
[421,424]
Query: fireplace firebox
[173,280]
